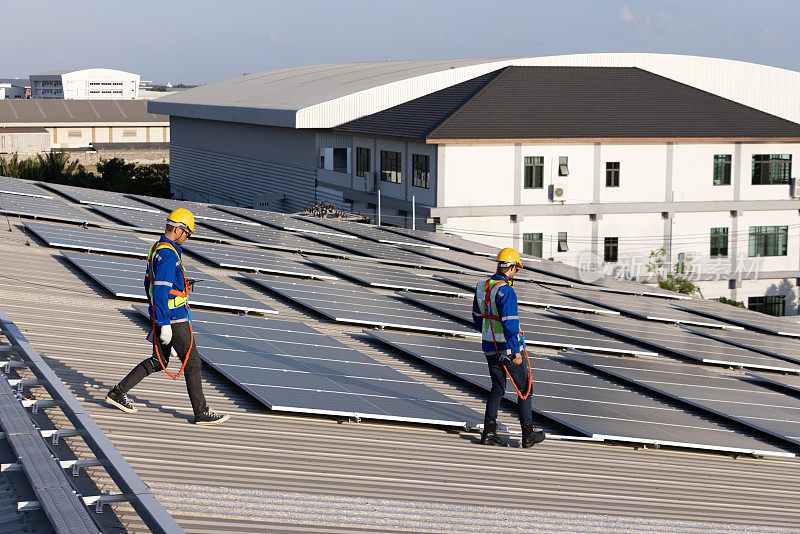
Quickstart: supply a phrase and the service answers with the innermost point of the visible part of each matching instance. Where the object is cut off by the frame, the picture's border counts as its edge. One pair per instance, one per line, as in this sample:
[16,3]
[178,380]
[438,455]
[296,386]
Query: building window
[534,172]
[610,249]
[340,159]
[719,241]
[771,168]
[722,169]
[420,170]
[772,305]
[74,133]
[768,240]
[562,242]
[128,133]
[612,174]
[563,166]
[532,245]
[390,167]
[363,165]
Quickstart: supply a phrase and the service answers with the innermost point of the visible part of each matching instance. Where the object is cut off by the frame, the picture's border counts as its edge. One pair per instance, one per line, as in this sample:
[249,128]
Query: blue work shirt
[506,302]
[167,275]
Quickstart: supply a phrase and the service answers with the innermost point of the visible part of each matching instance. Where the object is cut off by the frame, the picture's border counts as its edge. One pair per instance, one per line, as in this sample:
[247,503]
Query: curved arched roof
[325,96]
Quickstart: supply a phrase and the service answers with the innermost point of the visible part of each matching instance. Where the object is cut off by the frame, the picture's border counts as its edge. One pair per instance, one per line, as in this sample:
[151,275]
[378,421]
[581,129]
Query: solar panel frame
[279,221]
[89,239]
[643,307]
[155,223]
[790,383]
[540,328]
[735,399]
[746,318]
[368,231]
[266,357]
[377,275]
[200,211]
[783,347]
[124,278]
[97,197]
[676,340]
[449,241]
[345,302]
[254,259]
[45,208]
[17,186]
[591,404]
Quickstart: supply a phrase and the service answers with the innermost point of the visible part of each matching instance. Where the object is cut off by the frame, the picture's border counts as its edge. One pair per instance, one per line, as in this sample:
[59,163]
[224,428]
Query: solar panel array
[124,278]
[371,232]
[276,239]
[347,303]
[593,405]
[450,241]
[289,366]
[676,340]
[376,275]
[44,208]
[154,222]
[90,239]
[238,257]
[779,346]
[97,197]
[279,221]
[539,328]
[738,316]
[738,400]
[16,186]
[200,210]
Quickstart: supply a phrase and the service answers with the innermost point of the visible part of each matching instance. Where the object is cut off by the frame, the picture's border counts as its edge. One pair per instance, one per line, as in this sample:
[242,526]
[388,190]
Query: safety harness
[178,299]
[488,315]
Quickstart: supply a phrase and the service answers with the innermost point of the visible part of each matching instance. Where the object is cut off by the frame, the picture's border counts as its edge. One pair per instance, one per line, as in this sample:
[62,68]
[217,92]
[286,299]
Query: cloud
[626,14]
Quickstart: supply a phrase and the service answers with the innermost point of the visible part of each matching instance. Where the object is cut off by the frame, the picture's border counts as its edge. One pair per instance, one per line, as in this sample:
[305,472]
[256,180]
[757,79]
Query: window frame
[563,245]
[771,169]
[392,175]
[767,241]
[767,303]
[611,249]
[722,169]
[530,243]
[612,173]
[718,242]
[420,177]
[363,159]
[533,172]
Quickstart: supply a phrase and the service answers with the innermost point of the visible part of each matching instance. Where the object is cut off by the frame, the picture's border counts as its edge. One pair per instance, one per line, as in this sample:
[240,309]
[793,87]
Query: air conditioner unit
[558,192]
[795,188]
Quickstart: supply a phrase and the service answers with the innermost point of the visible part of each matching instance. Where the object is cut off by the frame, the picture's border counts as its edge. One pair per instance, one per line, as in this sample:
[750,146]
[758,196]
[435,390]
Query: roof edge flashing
[286,118]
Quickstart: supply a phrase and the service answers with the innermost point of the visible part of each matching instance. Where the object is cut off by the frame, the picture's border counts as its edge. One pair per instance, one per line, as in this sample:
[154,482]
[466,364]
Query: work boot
[118,399]
[210,417]
[489,435]
[531,438]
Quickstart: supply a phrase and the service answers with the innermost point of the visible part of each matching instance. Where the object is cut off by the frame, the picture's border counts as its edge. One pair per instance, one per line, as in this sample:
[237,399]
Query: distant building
[13,88]
[86,84]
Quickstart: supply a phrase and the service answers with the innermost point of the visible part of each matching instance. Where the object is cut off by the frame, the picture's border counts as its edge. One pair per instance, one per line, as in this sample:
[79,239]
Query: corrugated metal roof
[84,112]
[265,471]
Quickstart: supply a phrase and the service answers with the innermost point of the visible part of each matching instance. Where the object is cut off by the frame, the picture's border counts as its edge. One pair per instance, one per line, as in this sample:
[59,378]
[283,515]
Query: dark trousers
[181,336]
[519,373]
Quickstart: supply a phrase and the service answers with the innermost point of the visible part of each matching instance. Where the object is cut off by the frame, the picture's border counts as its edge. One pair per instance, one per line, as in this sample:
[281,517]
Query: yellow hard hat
[509,256]
[183,218]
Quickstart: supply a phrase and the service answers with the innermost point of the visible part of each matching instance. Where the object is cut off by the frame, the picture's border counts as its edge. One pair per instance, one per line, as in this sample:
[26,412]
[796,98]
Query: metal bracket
[34,405]
[56,435]
[8,366]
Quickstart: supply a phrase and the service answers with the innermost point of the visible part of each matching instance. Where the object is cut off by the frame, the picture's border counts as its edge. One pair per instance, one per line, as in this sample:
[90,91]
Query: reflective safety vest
[179,298]
[487,302]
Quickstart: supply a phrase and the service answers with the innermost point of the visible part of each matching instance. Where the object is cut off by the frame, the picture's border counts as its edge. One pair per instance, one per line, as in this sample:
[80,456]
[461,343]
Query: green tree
[732,302]
[676,280]
[56,167]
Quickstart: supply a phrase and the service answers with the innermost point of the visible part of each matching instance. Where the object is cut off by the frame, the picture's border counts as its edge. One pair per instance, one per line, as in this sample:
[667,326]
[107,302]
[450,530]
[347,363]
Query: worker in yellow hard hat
[495,314]
[168,291]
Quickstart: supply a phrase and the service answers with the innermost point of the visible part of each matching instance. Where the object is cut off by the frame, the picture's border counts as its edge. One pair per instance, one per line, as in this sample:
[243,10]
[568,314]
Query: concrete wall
[79,136]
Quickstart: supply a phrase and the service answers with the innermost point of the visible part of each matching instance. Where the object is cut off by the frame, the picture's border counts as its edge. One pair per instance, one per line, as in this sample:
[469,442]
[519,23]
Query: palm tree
[55,166]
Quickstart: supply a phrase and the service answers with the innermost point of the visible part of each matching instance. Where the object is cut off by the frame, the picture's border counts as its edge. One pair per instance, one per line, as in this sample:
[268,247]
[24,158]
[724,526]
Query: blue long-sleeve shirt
[506,301]
[167,275]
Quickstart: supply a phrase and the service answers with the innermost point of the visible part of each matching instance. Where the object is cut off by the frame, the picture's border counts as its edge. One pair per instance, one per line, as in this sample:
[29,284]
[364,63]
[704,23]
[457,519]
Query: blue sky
[202,41]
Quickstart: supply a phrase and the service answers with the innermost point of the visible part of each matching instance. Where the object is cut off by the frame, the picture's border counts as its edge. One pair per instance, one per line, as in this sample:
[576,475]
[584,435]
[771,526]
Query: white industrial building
[12,89]
[591,166]
[85,84]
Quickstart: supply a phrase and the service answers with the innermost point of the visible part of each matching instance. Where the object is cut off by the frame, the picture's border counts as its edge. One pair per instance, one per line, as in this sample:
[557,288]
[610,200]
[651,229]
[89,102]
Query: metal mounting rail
[152,512]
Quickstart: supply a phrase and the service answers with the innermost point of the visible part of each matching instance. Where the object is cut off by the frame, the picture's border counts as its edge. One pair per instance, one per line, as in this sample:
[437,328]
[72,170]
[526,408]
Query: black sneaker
[118,399]
[209,417]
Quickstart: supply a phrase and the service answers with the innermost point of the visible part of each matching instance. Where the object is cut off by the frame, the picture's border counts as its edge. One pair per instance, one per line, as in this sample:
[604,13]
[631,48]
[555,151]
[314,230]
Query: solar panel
[369,231]
[236,257]
[540,328]
[464,260]
[289,366]
[737,400]
[97,197]
[747,318]
[594,406]
[450,241]
[267,237]
[786,382]
[470,280]
[90,239]
[643,307]
[382,252]
[154,222]
[44,208]
[376,275]
[16,186]
[778,346]
[676,340]
[124,278]
[280,221]
[347,303]
[200,211]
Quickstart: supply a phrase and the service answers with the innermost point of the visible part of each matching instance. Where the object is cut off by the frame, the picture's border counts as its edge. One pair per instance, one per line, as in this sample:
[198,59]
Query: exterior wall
[24,143]
[87,84]
[233,163]
[8,91]
[80,136]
